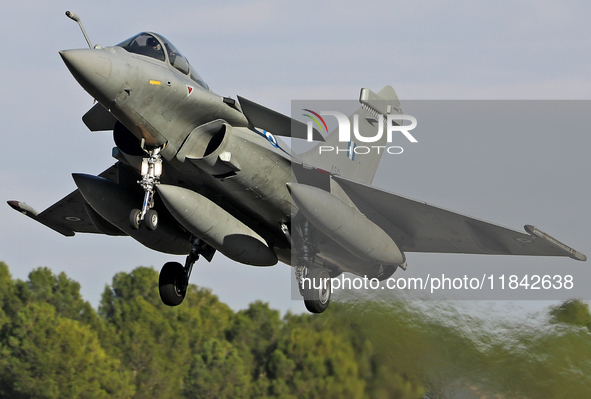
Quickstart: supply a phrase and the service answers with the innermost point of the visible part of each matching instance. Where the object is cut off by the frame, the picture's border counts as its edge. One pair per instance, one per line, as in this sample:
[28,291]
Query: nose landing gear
[151,171]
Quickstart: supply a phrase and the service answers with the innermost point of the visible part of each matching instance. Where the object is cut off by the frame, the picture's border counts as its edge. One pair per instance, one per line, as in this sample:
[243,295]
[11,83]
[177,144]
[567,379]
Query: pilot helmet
[152,42]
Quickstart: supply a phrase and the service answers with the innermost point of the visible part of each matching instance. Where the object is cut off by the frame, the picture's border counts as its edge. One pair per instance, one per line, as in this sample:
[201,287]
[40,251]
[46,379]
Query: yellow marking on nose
[155,82]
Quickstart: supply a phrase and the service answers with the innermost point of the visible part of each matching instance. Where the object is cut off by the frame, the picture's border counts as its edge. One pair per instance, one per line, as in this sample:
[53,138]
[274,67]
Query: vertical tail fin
[344,159]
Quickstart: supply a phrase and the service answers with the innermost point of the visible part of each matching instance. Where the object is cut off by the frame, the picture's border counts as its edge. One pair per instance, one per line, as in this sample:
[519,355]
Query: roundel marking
[272,139]
[522,239]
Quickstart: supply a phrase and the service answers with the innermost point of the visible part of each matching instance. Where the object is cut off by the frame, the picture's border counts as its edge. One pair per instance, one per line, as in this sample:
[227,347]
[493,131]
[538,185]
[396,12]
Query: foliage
[46,348]
[54,344]
[573,312]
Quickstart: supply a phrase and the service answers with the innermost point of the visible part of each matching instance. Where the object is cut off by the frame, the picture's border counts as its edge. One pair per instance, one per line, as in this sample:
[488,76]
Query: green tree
[322,364]
[385,367]
[6,293]
[154,341]
[10,294]
[255,332]
[573,312]
[217,371]
[44,355]
[61,292]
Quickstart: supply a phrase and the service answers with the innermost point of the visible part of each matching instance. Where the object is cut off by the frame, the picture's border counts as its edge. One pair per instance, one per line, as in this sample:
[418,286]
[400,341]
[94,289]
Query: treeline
[54,344]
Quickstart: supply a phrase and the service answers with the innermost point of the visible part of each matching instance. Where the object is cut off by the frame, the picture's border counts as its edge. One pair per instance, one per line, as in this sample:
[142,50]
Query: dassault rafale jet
[197,173]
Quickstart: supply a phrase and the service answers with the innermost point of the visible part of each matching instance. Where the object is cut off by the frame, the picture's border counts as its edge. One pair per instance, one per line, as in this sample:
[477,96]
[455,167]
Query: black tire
[134,219]
[151,219]
[317,299]
[172,284]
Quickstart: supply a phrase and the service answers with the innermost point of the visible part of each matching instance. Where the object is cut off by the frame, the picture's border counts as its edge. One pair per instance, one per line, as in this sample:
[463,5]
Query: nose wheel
[151,171]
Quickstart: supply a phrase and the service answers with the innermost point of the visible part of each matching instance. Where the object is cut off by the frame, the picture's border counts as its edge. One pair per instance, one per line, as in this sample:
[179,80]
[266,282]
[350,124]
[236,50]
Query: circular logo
[522,239]
[272,139]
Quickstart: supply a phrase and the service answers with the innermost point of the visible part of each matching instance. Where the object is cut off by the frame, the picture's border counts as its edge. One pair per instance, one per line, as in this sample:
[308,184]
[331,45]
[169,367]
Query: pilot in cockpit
[153,44]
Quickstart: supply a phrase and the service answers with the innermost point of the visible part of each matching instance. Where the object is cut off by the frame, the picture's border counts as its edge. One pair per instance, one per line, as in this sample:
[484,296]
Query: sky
[275,52]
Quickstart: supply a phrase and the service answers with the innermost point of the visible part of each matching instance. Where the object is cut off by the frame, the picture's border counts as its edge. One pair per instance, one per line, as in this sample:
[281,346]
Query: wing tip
[570,252]
[27,210]
[23,208]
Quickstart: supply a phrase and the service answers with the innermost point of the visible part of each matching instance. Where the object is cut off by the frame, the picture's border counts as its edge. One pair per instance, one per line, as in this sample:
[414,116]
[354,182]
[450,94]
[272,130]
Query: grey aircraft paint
[215,176]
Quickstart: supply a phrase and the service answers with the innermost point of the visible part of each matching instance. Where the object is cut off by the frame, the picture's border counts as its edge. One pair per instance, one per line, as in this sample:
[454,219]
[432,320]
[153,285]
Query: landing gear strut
[151,171]
[174,277]
[313,280]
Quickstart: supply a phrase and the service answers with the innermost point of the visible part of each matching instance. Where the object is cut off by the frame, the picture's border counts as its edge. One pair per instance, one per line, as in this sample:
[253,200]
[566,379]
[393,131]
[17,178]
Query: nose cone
[91,67]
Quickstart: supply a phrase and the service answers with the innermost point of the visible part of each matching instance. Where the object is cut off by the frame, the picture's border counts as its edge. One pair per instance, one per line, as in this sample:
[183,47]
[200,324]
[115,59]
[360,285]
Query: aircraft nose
[91,67]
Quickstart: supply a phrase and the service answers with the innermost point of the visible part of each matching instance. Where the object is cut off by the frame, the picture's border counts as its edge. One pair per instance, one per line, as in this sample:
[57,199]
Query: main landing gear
[174,277]
[151,171]
[313,280]
[314,285]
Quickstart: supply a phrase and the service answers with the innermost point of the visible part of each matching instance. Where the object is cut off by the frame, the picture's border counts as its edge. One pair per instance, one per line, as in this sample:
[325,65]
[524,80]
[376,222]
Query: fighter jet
[199,173]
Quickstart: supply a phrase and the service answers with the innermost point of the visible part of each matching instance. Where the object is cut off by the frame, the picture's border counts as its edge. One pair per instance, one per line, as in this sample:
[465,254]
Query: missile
[113,202]
[216,227]
[345,225]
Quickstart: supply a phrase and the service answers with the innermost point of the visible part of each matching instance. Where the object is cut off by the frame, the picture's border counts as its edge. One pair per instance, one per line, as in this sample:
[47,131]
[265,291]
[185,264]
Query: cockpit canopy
[157,47]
